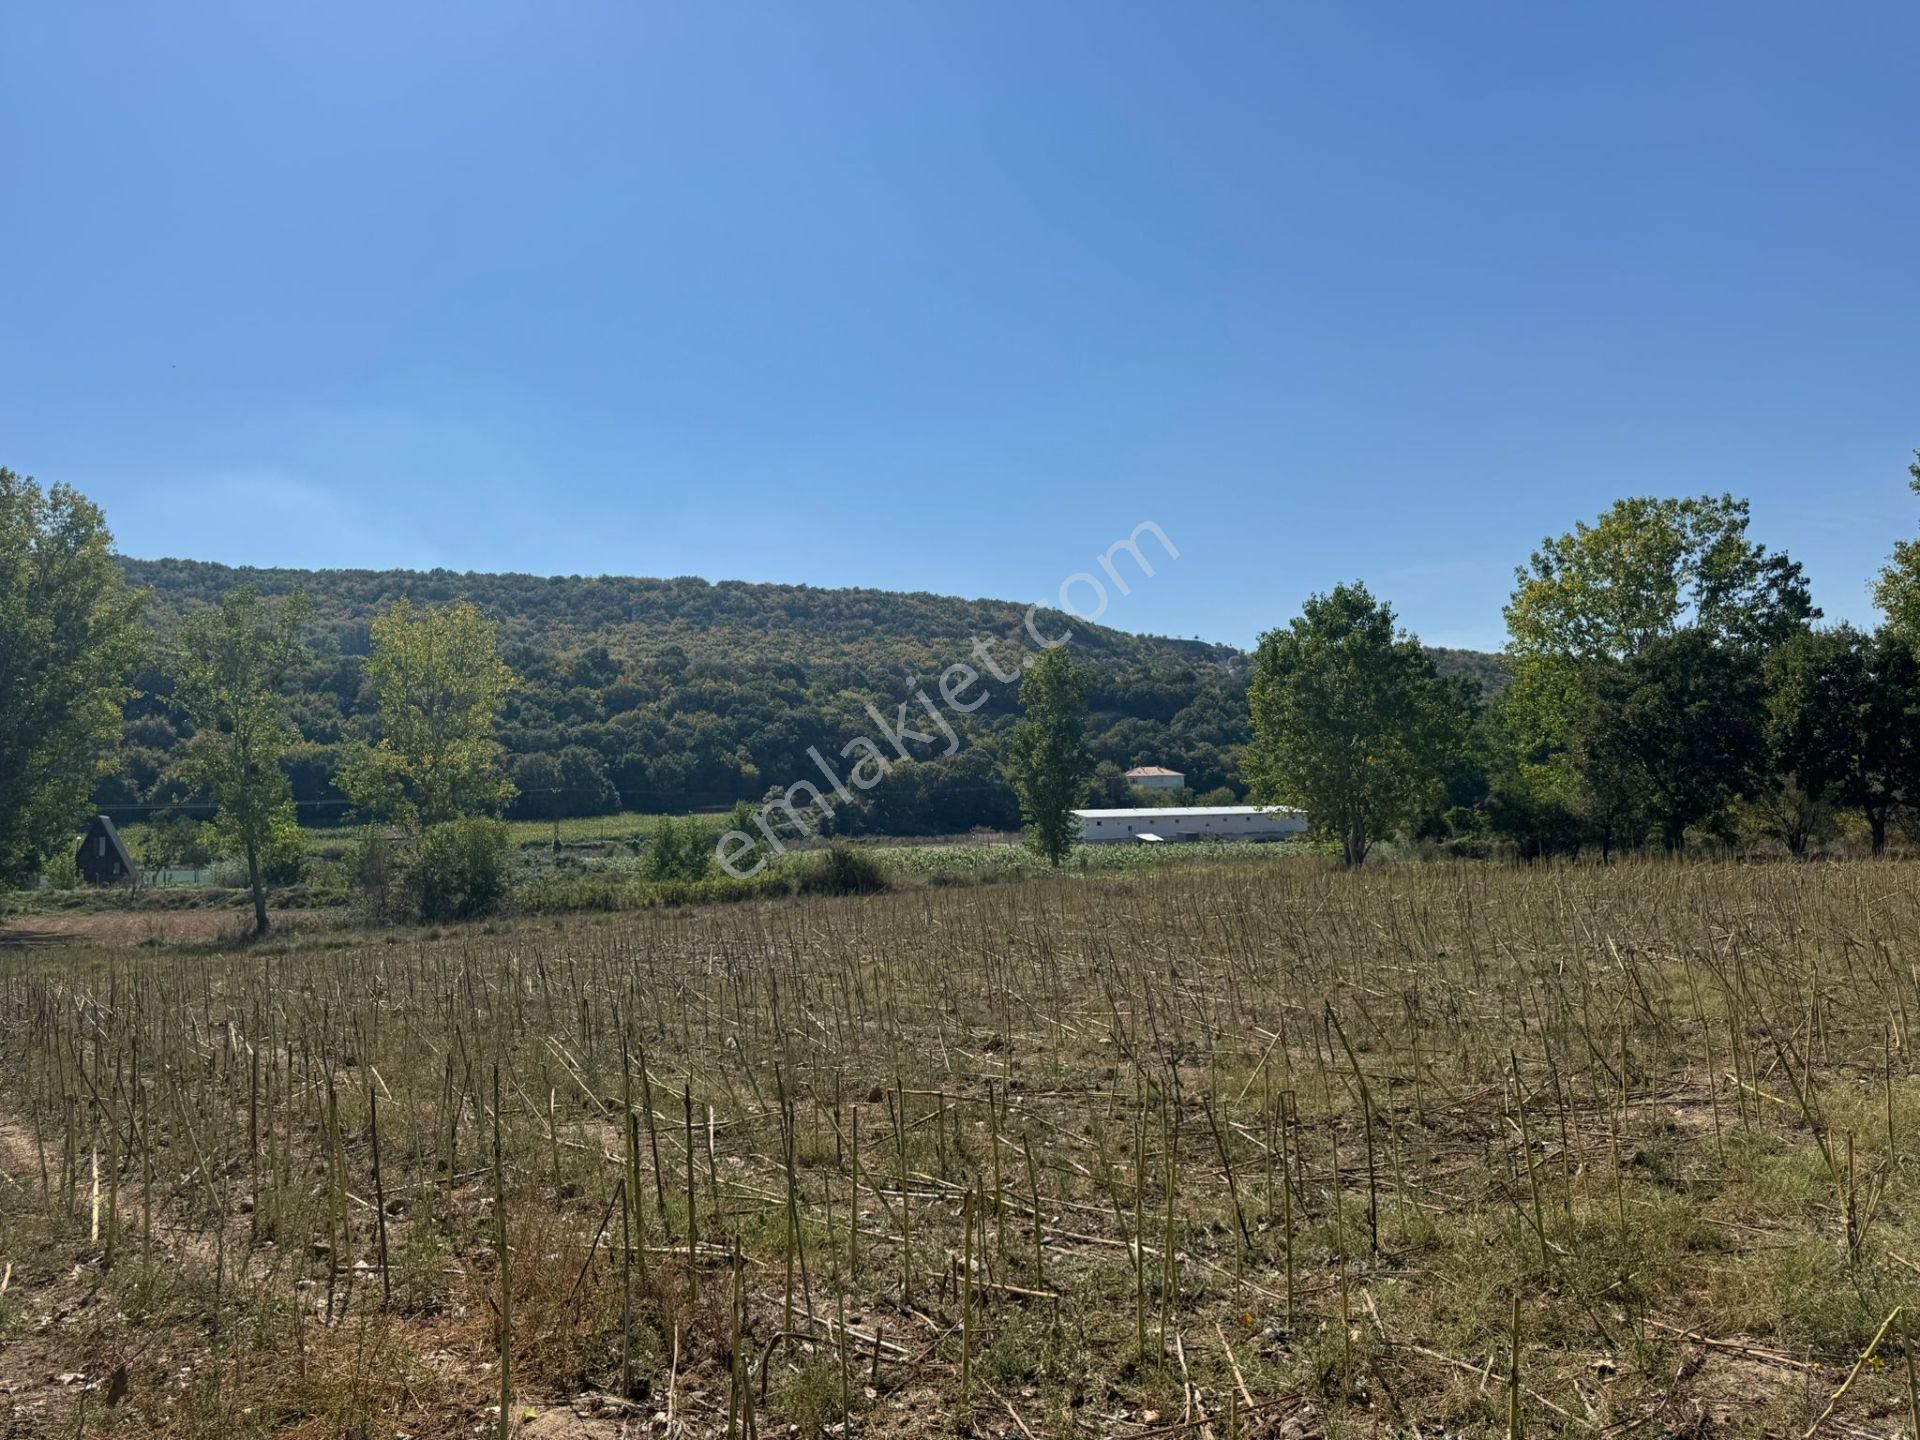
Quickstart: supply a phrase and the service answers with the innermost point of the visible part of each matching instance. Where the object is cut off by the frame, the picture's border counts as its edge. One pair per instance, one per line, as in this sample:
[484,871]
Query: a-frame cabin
[103,857]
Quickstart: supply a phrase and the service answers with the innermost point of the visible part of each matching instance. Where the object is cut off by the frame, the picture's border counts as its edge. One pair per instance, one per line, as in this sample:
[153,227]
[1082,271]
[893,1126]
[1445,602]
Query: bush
[283,861]
[679,851]
[177,842]
[61,872]
[754,859]
[453,871]
[374,865]
[458,870]
[841,870]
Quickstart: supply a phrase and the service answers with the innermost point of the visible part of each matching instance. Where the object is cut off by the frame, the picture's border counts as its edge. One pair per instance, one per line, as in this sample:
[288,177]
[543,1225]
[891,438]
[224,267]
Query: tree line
[677,695]
[1667,682]
[1666,678]
[71,638]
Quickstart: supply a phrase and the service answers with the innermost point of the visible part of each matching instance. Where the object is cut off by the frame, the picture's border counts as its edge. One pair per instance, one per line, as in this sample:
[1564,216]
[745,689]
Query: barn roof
[1153,770]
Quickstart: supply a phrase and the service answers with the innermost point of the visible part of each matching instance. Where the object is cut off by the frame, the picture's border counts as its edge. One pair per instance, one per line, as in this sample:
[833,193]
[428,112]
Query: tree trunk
[1877,823]
[259,890]
[1356,847]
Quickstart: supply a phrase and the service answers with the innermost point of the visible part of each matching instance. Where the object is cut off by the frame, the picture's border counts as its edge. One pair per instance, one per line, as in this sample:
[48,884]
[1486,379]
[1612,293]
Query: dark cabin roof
[90,863]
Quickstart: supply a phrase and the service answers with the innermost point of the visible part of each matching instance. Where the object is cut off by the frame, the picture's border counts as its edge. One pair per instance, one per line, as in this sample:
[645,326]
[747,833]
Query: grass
[593,830]
[1250,1147]
[593,877]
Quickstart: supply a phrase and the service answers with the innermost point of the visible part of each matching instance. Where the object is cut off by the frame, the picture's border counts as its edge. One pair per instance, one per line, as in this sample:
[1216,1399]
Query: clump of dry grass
[1450,1145]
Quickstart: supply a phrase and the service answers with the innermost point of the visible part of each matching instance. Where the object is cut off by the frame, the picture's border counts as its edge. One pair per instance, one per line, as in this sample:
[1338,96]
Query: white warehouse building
[1173,825]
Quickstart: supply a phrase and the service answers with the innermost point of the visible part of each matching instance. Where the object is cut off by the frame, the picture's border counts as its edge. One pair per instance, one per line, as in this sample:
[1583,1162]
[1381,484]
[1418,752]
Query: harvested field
[1205,1150]
[125,928]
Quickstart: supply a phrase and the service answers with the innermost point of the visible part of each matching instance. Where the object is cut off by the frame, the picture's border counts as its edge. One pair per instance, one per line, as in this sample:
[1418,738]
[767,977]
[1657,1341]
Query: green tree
[232,668]
[1672,734]
[1647,570]
[1897,591]
[1351,722]
[1843,721]
[1537,798]
[1047,760]
[69,637]
[1584,608]
[441,686]
[561,785]
[1109,788]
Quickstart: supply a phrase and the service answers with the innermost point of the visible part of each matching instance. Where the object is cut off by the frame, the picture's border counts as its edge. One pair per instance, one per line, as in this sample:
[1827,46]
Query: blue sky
[951,297]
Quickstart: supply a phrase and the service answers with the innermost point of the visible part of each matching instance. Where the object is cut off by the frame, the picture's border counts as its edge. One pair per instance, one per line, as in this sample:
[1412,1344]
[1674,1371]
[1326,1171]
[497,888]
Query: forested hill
[681,694]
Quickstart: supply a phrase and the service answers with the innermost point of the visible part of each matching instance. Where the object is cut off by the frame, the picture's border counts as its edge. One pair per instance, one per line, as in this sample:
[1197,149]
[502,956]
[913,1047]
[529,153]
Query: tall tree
[440,684]
[1672,734]
[1645,571]
[69,637]
[231,674]
[1536,800]
[1843,721]
[1047,758]
[1897,591]
[1351,721]
[1592,602]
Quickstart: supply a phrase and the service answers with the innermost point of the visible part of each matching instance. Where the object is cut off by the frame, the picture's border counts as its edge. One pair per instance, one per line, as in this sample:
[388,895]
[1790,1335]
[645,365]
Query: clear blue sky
[949,297]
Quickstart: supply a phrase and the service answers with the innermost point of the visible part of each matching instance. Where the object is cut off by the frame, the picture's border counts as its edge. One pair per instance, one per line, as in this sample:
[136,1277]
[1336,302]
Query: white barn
[1175,824]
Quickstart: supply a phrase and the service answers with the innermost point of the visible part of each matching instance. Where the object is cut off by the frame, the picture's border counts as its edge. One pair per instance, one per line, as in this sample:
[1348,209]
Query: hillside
[686,694]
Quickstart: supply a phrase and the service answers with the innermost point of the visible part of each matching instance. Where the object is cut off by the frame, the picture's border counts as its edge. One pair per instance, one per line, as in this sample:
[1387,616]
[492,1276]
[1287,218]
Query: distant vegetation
[1666,682]
[681,695]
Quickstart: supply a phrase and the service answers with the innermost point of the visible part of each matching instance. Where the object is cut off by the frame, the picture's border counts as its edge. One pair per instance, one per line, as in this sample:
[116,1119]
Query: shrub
[458,870]
[61,872]
[453,871]
[177,841]
[284,861]
[841,870]
[679,851]
[758,854]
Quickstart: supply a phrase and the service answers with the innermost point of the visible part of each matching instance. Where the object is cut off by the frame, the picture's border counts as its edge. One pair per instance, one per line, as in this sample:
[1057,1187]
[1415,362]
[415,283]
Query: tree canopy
[1841,721]
[1634,644]
[1047,757]
[1647,569]
[1352,722]
[70,637]
[1897,590]
[231,668]
[440,686]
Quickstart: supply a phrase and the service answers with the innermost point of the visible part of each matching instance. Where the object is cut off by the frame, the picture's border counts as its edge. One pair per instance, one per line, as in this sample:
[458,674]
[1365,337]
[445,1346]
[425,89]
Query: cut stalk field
[1209,1150]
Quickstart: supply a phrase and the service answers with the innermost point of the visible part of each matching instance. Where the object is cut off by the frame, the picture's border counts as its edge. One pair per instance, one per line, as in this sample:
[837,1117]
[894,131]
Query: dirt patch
[145,927]
[564,1424]
[19,1155]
